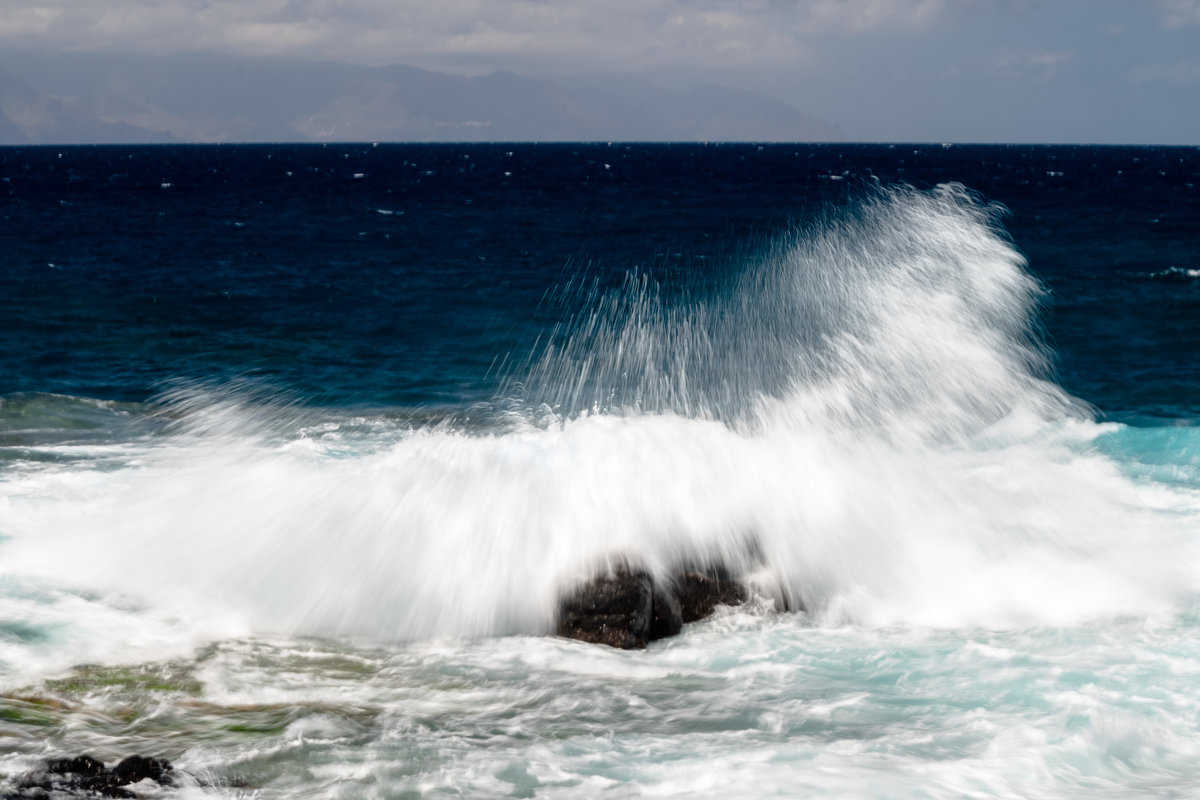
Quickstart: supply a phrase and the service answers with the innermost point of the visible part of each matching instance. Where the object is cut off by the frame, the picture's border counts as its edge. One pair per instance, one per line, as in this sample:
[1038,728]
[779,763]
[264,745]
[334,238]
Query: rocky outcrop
[628,609]
[85,776]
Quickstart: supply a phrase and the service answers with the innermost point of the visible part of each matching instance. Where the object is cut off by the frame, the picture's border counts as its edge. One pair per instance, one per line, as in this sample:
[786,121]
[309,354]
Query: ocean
[300,445]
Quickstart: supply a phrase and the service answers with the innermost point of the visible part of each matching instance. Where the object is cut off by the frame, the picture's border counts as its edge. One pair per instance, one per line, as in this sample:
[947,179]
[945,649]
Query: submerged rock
[85,776]
[138,768]
[627,609]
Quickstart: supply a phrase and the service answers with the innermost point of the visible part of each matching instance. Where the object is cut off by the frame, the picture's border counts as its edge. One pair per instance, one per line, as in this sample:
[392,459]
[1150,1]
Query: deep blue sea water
[298,445]
[398,274]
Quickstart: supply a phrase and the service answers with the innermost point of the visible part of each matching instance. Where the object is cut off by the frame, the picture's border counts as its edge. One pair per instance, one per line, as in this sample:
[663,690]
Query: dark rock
[627,609]
[666,619]
[610,609]
[138,768]
[87,777]
[699,593]
[85,766]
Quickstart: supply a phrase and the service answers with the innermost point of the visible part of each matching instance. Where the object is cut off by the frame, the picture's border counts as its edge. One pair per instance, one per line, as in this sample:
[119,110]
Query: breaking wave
[863,423]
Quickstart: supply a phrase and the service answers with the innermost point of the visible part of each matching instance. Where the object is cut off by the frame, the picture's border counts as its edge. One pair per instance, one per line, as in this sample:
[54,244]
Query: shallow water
[743,705]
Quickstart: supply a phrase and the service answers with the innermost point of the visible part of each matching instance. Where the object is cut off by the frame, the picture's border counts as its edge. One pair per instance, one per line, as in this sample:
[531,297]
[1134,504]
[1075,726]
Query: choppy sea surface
[299,445]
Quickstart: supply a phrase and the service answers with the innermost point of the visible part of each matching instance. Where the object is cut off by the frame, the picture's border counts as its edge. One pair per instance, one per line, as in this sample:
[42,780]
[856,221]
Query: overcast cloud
[980,70]
[626,34]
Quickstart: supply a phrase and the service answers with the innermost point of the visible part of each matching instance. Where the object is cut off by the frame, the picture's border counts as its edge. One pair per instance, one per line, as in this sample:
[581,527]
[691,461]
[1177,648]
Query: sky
[1120,71]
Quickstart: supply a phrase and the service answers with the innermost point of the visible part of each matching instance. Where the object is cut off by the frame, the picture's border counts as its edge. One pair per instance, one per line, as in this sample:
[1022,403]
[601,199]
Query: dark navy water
[407,274]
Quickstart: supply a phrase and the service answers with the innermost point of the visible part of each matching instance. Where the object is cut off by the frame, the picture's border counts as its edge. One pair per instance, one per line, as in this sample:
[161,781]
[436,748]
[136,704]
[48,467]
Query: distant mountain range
[79,99]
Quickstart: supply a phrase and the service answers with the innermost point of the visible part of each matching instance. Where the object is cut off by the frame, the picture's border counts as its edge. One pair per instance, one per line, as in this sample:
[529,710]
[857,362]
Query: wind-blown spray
[862,423]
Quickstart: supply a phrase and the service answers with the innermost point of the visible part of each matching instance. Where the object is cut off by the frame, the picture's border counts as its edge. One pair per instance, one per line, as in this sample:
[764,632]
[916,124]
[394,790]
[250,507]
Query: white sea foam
[1176,272]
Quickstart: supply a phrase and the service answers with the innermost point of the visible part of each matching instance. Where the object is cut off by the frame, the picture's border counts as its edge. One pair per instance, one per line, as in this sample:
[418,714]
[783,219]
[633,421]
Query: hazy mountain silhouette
[77,98]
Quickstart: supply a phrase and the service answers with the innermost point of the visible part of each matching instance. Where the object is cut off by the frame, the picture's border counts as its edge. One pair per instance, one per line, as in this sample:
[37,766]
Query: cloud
[1183,72]
[591,33]
[31,21]
[1033,64]
[864,15]
[1180,13]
